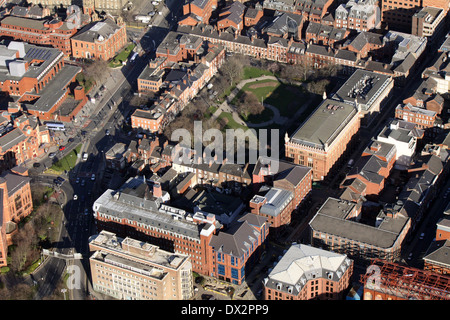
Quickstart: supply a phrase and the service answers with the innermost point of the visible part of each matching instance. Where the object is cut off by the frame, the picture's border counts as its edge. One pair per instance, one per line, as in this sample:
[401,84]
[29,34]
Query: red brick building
[372,168]
[252,16]
[100,39]
[25,141]
[213,251]
[421,117]
[232,16]
[321,140]
[308,273]
[55,33]
[289,185]
[40,81]
[16,205]
[196,12]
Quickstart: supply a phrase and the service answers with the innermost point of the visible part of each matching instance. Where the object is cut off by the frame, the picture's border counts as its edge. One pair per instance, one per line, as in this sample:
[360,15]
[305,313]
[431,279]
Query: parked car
[61,148]
[52,155]
[93,177]
[75,197]
[422,235]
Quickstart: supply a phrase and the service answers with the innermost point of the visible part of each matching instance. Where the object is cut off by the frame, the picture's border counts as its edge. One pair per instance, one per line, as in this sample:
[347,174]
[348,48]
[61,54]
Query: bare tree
[232,69]
[24,242]
[274,67]
[97,70]
[295,72]
[248,104]
[318,86]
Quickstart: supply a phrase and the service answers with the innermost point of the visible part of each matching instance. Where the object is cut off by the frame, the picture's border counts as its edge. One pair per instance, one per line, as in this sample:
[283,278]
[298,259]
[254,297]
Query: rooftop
[324,124]
[302,263]
[364,87]
[331,219]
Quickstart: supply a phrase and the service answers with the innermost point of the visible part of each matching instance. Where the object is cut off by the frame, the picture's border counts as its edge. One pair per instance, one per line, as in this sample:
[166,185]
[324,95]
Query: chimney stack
[157,190]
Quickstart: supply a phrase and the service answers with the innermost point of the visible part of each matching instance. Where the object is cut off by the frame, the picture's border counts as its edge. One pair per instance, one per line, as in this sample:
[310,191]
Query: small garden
[121,56]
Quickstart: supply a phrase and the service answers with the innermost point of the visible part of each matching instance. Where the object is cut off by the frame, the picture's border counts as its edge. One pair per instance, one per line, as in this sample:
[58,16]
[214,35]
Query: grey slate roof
[92,31]
[330,219]
[237,238]
[11,139]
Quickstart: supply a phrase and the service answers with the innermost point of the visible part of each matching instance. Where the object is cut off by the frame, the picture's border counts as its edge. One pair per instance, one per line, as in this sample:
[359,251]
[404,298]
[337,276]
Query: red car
[61,148]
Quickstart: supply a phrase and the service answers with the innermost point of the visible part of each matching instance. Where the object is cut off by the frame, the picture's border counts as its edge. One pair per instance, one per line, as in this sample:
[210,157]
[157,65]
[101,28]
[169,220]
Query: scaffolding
[406,282]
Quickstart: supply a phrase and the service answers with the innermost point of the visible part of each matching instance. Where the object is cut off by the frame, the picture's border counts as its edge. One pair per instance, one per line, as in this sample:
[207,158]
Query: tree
[318,86]
[248,104]
[295,72]
[232,69]
[97,70]
[24,241]
[274,67]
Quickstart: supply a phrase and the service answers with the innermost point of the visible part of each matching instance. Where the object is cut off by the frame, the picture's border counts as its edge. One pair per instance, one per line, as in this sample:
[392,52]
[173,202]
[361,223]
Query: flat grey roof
[330,219]
[54,91]
[324,124]
[363,86]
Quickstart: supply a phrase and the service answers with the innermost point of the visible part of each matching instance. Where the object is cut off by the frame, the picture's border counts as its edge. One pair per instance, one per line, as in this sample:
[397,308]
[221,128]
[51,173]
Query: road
[106,114]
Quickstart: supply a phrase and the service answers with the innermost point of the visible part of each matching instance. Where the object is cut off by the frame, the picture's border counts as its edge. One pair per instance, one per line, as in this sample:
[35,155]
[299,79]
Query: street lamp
[64,292]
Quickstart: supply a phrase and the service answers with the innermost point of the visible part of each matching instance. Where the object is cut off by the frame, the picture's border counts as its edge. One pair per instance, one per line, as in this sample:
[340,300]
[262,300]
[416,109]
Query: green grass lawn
[121,56]
[67,163]
[262,92]
[231,124]
[254,72]
[284,97]
[288,99]
[266,115]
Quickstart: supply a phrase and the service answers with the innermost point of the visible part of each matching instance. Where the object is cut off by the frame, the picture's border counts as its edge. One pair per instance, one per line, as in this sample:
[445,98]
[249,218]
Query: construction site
[390,281]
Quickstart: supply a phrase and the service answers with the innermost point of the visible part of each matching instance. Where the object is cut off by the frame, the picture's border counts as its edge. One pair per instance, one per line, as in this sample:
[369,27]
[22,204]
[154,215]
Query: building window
[221,269]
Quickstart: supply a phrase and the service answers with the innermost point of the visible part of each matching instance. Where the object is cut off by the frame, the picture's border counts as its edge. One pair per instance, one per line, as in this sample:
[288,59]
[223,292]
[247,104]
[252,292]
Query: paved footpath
[277,118]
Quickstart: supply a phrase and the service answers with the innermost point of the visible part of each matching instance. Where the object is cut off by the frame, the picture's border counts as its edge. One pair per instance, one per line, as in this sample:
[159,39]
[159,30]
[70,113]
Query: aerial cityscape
[225,150]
